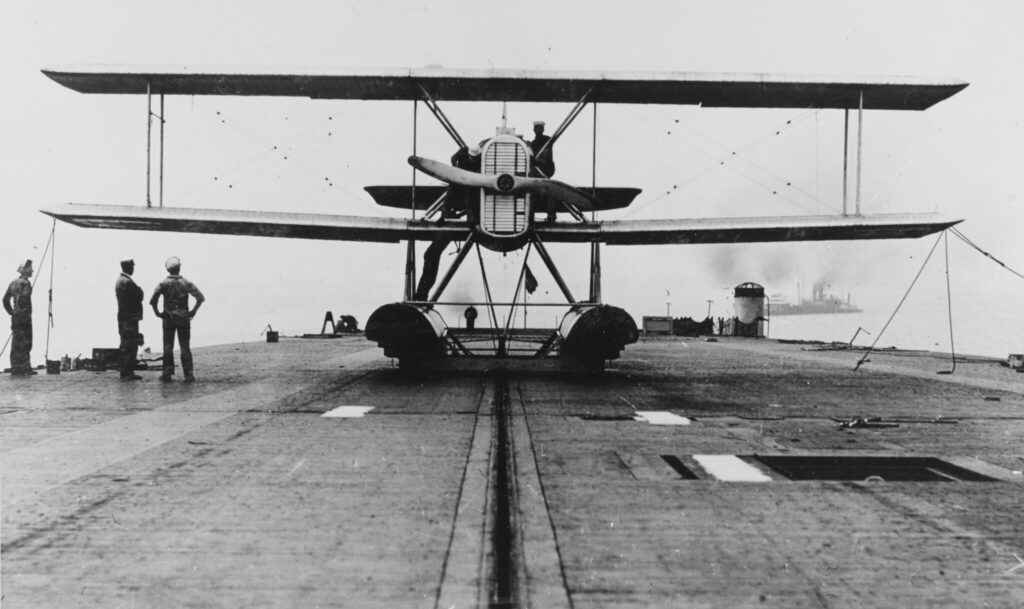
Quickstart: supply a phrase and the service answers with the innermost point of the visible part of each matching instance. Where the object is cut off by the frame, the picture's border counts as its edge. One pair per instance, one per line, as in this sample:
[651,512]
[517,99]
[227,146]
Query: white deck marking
[730,468]
[348,412]
[660,417]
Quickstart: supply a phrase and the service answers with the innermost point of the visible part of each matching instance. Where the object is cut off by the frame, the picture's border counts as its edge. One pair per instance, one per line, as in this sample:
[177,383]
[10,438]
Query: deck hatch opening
[677,464]
[862,468]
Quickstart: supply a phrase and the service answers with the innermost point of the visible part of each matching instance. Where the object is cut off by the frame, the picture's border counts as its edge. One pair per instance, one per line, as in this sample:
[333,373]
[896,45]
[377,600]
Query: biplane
[499,213]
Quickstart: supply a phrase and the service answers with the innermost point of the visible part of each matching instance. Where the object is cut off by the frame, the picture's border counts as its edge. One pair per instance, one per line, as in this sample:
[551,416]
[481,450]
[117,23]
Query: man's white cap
[25,266]
[172,262]
[535,123]
[474,150]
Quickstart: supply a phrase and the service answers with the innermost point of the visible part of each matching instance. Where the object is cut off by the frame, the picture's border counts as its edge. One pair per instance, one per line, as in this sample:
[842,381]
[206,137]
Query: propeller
[506,183]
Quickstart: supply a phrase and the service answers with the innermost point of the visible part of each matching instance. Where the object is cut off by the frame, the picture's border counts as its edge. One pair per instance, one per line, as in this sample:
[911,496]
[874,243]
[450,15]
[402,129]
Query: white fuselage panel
[505,215]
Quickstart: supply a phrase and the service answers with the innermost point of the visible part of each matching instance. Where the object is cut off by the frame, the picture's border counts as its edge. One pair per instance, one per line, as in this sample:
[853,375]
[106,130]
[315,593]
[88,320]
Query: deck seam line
[478,430]
[544,496]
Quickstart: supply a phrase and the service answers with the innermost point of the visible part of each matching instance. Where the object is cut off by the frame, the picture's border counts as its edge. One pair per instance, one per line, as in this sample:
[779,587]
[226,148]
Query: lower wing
[748,230]
[393,230]
[255,223]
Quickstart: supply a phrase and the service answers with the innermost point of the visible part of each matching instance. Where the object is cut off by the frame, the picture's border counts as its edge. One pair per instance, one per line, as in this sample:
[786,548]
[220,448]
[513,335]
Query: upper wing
[255,223]
[707,89]
[748,230]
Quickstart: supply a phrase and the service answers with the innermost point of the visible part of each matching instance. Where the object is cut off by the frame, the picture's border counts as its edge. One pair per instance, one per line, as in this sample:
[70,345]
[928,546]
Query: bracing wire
[487,292]
[731,154]
[49,309]
[902,300]
[964,238]
[519,288]
[272,153]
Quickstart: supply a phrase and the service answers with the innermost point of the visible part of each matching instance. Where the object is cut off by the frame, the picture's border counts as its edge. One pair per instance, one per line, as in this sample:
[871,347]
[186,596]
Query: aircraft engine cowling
[596,333]
[408,332]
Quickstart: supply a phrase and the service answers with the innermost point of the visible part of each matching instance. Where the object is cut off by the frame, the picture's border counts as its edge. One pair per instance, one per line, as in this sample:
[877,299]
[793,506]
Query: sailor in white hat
[177,317]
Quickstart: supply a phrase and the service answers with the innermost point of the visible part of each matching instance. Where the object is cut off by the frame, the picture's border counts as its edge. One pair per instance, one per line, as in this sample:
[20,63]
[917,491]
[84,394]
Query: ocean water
[981,331]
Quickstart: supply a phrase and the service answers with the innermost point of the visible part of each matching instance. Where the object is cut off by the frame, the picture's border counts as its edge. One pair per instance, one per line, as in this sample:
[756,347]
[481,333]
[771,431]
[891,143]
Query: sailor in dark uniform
[459,200]
[129,314]
[18,304]
[543,166]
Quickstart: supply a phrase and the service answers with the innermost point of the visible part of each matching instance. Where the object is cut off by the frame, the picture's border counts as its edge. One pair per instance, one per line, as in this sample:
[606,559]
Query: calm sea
[977,331]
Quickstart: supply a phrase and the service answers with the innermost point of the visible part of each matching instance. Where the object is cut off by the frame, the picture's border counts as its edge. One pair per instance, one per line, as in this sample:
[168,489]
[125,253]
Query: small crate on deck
[1016,360]
[108,356]
[104,359]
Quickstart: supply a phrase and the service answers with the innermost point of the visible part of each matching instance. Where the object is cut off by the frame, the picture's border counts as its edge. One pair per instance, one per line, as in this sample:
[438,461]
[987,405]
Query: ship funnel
[748,308]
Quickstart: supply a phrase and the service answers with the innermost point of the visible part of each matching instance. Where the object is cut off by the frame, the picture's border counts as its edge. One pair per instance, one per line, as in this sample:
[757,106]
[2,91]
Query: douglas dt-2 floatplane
[498,214]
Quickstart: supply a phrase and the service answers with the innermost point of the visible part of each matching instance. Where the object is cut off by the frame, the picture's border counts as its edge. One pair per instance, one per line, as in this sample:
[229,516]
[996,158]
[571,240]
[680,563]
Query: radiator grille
[505,157]
[504,214]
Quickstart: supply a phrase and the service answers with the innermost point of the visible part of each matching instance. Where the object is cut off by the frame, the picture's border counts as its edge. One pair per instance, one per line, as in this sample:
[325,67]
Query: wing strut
[846,152]
[435,109]
[410,270]
[551,267]
[441,118]
[436,206]
[582,103]
[860,142]
[568,121]
[410,248]
[466,245]
[149,146]
[595,247]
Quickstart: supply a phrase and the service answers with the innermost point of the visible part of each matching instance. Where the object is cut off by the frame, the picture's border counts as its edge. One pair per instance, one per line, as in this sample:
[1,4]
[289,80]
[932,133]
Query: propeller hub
[505,182]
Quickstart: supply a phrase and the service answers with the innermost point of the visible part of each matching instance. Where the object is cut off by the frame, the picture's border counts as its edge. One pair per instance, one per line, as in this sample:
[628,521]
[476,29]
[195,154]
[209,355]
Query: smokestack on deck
[748,307]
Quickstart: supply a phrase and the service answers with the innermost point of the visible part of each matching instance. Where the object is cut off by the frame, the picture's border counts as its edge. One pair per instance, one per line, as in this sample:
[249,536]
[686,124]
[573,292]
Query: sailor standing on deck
[129,314]
[460,199]
[177,317]
[543,165]
[18,304]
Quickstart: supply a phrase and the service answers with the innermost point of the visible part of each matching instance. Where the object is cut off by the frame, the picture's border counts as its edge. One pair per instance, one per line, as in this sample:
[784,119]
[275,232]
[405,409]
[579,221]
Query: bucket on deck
[53,366]
[272,336]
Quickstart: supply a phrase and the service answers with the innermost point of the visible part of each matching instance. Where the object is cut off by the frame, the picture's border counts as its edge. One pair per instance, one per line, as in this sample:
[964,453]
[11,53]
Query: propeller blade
[552,189]
[452,175]
[559,191]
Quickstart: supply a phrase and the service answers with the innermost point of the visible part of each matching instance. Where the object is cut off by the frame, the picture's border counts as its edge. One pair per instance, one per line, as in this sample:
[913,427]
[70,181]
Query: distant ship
[820,303]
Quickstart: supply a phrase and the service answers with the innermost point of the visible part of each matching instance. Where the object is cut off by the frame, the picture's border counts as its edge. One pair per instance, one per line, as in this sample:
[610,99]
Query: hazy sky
[962,157]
